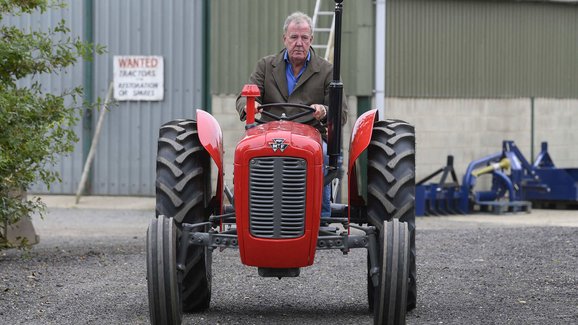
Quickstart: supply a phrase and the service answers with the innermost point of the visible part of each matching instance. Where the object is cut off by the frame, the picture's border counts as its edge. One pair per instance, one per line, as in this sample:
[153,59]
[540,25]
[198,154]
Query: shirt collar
[286,56]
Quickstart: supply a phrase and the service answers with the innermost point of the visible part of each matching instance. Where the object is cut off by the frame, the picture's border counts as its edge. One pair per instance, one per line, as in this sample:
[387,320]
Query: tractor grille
[277,187]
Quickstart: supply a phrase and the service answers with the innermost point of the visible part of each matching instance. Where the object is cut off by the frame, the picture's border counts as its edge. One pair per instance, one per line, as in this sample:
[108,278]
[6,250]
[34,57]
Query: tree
[35,126]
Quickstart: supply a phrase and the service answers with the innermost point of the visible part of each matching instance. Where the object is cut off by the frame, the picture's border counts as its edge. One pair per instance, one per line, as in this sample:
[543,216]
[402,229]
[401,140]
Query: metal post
[334,127]
[93,145]
[87,84]
[207,55]
[532,124]
[380,58]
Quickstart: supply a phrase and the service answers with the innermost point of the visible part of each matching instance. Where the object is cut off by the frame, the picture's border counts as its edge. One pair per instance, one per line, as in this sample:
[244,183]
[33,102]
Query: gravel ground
[90,269]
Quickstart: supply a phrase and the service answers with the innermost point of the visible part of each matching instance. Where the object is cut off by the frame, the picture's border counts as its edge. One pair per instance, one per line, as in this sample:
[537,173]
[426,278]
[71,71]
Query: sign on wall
[138,77]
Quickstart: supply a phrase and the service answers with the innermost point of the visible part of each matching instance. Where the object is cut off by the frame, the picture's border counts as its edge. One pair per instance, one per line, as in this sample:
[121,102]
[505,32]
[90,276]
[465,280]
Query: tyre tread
[391,183]
[183,192]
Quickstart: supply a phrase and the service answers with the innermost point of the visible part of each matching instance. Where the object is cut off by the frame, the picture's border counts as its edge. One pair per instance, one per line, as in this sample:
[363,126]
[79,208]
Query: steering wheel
[283,117]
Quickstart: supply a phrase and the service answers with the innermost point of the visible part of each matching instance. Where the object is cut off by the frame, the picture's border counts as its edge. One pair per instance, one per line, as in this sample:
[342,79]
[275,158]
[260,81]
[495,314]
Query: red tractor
[274,216]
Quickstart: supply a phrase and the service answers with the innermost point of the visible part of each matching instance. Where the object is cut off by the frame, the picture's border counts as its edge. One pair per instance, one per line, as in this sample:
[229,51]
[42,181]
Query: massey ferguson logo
[278,144]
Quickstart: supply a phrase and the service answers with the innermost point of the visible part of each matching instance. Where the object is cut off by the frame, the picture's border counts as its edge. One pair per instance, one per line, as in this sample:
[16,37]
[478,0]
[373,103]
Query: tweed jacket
[312,88]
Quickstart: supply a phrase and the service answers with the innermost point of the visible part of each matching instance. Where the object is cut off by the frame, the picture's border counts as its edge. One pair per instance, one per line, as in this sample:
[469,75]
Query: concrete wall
[468,129]
[557,123]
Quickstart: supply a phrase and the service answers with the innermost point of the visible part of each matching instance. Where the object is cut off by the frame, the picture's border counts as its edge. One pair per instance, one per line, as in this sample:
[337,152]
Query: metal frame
[328,238]
[522,183]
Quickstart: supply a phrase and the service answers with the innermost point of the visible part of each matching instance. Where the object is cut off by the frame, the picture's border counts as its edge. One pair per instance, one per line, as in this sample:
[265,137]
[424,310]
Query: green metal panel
[242,31]
[358,47]
[482,49]
[447,49]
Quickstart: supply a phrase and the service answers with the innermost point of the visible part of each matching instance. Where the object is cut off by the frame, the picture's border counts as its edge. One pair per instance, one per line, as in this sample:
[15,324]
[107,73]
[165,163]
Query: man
[296,75]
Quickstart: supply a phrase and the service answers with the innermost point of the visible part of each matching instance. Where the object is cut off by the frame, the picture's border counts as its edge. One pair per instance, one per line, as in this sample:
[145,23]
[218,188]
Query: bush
[36,126]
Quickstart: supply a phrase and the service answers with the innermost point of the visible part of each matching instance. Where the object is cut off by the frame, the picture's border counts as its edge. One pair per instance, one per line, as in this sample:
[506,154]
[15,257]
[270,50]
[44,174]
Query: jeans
[326,202]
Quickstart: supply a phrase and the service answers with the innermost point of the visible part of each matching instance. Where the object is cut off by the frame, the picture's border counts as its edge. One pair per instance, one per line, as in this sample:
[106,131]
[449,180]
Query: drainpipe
[380,40]
[207,55]
[87,83]
[532,125]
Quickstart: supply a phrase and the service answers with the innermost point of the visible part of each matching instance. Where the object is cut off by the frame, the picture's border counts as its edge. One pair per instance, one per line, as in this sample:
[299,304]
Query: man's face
[297,41]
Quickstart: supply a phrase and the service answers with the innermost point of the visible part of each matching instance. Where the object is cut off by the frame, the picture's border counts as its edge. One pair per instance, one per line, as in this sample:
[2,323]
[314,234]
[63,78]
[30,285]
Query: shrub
[35,126]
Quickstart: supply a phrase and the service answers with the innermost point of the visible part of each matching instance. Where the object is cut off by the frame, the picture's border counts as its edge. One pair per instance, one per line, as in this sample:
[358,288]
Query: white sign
[138,77]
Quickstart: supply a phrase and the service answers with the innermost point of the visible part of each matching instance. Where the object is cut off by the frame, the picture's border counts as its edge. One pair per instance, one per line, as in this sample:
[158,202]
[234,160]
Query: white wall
[470,129]
[557,123]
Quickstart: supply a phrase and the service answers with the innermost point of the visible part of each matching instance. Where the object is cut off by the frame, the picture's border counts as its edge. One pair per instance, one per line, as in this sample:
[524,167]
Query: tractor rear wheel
[183,191]
[163,285]
[390,295]
[391,186]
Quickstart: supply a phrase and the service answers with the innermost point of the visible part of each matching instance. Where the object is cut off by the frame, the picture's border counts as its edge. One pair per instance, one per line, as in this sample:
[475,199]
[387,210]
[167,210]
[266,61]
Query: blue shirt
[291,79]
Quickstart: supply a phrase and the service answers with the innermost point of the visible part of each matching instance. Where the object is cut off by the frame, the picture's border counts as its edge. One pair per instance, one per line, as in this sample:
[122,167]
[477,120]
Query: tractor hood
[278,193]
[282,138]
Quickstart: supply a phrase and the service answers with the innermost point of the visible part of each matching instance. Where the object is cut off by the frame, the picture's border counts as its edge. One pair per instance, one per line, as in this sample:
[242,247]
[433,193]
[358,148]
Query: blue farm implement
[516,185]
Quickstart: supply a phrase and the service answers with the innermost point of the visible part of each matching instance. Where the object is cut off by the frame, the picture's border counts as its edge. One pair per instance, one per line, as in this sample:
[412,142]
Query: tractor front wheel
[390,295]
[163,285]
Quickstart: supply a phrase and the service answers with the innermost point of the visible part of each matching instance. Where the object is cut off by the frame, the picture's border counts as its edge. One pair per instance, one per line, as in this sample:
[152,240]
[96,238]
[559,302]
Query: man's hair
[297,17]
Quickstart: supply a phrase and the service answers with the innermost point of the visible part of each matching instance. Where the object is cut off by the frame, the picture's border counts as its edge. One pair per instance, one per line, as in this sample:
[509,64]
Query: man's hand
[257,110]
[320,111]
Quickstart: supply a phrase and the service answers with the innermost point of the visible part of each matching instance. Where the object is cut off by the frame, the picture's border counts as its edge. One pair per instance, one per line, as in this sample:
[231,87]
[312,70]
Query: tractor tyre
[183,191]
[390,295]
[391,185]
[163,285]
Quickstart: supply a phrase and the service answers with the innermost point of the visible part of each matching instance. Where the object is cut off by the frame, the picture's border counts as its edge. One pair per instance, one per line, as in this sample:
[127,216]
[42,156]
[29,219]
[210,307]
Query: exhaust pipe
[334,127]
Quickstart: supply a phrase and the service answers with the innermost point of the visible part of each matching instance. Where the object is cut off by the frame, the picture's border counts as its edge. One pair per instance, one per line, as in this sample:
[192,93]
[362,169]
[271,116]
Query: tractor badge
[278,144]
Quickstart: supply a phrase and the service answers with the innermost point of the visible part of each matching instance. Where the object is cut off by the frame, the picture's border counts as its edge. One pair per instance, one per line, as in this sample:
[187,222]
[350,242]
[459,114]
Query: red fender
[360,138]
[211,138]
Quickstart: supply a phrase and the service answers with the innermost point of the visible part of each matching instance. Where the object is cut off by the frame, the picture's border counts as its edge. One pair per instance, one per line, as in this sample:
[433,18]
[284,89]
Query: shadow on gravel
[296,312]
[282,314]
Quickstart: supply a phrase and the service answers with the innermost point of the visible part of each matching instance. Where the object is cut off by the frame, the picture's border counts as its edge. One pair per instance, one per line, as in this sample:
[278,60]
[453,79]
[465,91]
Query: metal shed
[126,152]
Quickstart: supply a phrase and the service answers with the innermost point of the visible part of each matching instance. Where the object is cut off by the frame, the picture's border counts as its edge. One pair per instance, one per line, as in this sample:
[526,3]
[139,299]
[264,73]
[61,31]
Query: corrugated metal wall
[69,166]
[482,49]
[242,31]
[126,154]
[453,49]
